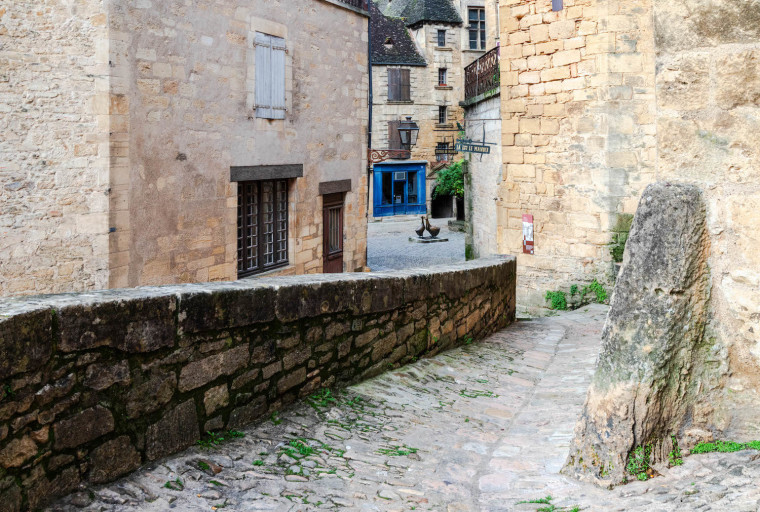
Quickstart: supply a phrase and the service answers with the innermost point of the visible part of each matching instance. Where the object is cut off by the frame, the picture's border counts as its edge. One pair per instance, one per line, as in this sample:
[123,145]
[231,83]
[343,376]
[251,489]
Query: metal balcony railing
[482,75]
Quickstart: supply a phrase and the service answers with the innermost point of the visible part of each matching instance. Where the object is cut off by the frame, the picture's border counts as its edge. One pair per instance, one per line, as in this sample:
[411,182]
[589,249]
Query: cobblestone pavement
[481,427]
[389,248]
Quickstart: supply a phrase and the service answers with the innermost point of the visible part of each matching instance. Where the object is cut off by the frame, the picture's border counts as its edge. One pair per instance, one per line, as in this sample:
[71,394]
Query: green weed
[638,462]
[397,451]
[275,418]
[675,454]
[475,393]
[557,300]
[725,447]
[258,462]
[175,485]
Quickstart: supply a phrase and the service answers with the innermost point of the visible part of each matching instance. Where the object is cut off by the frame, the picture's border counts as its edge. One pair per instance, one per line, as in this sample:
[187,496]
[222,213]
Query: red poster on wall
[527,234]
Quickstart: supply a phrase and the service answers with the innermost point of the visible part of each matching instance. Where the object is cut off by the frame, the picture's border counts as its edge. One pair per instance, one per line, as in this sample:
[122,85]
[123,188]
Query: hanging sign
[528,234]
[467,146]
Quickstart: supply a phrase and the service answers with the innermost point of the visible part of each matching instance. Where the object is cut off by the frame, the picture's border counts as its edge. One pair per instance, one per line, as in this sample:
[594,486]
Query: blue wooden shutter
[557,5]
[263,46]
[278,78]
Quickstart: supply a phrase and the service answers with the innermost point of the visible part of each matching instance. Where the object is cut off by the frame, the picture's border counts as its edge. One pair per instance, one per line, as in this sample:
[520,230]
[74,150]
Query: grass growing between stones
[397,451]
[550,506]
[725,447]
[214,439]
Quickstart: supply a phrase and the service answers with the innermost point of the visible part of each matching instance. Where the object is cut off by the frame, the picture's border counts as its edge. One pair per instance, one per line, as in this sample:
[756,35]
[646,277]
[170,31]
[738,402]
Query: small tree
[450,181]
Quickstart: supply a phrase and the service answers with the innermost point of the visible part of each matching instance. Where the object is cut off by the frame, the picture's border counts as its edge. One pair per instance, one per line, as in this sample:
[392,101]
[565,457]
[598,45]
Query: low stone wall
[93,385]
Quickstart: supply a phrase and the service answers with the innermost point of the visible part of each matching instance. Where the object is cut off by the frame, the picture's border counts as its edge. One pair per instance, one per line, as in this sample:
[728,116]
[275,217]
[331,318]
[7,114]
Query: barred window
[262,226]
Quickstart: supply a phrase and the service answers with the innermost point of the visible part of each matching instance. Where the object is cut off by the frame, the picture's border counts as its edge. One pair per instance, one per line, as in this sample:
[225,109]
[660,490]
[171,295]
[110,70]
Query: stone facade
[132,186]
[95,384]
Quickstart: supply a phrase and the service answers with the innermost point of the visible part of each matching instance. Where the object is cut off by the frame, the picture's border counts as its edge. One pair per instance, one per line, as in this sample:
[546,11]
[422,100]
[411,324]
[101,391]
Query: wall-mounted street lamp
[408,131]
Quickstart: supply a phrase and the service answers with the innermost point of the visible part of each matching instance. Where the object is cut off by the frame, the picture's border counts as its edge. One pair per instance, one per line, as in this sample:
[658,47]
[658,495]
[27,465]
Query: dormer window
[388,43]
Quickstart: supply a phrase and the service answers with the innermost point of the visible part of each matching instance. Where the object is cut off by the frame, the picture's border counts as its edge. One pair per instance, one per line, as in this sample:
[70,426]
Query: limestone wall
[54,177]
[188,73]
[95,384]
[578,134]
[708,118]
[484,177]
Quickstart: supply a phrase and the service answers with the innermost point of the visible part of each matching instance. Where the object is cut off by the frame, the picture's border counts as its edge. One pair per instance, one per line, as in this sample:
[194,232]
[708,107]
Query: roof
[416,12]
[402,50]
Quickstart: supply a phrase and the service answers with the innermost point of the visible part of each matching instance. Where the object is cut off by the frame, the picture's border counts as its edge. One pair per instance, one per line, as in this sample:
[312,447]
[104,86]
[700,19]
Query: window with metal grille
[441,38]
[262,226]
[442,117]
[442,76]
[442,152]
[399,85]
[270,76]
[477,28]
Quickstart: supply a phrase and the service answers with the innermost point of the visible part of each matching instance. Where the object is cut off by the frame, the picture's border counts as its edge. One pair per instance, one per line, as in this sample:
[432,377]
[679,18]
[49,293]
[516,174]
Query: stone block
[103,376]
[175,431]
[199,373]
[130,324]
[564,29]
[83,427]
[291,380]
[247,414]
[738,80]
[25,341]
[225,309]
[40,489]
[216,398]
[10,495]
[151,395]
[17,452]
[112,460]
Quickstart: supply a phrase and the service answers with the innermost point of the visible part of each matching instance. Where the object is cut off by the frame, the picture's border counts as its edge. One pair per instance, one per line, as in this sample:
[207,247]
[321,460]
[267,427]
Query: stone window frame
[271,28]
[441,42]
[443,76]
[443,114]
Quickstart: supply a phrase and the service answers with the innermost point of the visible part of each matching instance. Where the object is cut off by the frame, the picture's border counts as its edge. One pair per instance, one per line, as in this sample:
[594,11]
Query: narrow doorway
[332,213]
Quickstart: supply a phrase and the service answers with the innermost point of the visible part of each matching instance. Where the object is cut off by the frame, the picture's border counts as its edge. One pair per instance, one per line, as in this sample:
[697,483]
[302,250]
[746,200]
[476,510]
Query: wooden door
[332,214]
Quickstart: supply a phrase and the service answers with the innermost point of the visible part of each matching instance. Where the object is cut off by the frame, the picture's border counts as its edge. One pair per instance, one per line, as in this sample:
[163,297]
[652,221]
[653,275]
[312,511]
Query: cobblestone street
[389,248]
[481,427]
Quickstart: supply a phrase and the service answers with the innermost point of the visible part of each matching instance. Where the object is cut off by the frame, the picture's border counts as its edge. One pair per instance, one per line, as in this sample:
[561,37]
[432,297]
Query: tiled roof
[421,11]
[391,42]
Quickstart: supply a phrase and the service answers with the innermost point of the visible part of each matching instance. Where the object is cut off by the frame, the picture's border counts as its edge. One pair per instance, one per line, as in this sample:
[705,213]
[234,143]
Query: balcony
[482,76]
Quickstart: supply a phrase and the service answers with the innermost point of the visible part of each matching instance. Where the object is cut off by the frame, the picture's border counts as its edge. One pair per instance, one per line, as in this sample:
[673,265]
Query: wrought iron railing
[482,75]
[359,4]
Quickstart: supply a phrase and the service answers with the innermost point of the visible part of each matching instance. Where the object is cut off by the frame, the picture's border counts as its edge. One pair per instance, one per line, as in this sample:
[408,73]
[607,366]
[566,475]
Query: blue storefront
[399,189]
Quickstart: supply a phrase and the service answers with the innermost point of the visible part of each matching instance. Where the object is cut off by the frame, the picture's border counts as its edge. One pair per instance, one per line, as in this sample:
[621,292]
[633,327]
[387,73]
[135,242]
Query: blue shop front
[399,189]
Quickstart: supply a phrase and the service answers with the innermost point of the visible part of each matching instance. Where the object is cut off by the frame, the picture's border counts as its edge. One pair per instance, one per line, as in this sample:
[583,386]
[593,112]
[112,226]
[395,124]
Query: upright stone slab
[646,383]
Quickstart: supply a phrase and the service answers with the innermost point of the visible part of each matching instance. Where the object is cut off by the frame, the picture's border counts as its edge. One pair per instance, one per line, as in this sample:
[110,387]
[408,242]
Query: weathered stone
[246,414]
[216,310]
[216,398]
[83,427]
[58,389]
[41,436]
[647,376]
[175,431]
[245,379]
[198,373]
[113,459]
[305,300]
[25,342]
[383,347]
[17,451]
[10,495]
[292,379]
[272,369]
[738,78]
[367,337]
[103,376]
[214,424]
[296,357]
[139,324]
[41,489]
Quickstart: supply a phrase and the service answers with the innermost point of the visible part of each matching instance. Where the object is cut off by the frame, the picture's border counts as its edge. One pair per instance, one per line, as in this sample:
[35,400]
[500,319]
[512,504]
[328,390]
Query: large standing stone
[646,384]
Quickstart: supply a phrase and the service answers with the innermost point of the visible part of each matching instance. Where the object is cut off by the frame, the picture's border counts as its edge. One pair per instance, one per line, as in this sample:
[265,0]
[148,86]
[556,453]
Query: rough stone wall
[484,177]
[578,133]
[95,384]
[708,118]
[54,152]
[187,72]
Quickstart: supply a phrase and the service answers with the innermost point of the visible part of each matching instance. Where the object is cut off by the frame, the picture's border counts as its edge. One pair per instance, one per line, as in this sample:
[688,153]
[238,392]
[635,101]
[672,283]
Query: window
[441,38]
[557,5]
[442,150]
[262,226]
[442,76]
[270,76]
[477,28]
[442,118]
[399,85]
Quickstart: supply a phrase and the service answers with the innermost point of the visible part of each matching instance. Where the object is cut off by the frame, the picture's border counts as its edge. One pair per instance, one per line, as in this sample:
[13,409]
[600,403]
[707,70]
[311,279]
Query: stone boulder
[647,381]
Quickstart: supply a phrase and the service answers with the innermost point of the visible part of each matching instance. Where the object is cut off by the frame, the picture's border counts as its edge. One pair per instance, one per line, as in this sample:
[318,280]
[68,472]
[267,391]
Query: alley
[481,427]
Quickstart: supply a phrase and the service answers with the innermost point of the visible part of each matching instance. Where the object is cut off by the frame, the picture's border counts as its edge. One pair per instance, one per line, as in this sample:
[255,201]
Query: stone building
[419,50]
[599,99]
[162,142]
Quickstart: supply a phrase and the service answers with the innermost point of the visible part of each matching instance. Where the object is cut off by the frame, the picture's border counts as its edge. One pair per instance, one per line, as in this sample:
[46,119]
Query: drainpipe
[369,106]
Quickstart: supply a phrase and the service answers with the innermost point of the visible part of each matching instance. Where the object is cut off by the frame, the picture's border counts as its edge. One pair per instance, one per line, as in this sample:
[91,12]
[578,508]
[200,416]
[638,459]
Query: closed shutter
[405,86]
[394,139]
[270,76]
[393,85]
